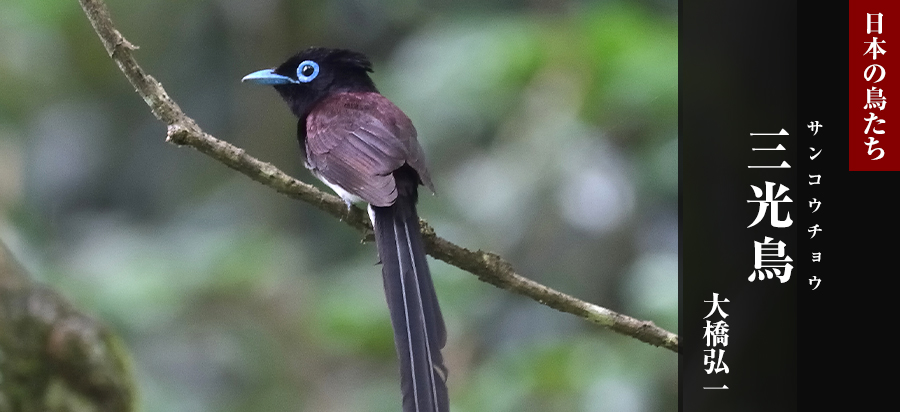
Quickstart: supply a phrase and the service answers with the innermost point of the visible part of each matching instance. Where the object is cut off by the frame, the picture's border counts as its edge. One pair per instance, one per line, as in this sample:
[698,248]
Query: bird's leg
[347,212]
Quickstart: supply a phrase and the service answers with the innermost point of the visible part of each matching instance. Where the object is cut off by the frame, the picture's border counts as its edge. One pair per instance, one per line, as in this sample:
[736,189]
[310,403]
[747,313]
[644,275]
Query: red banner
[874,66]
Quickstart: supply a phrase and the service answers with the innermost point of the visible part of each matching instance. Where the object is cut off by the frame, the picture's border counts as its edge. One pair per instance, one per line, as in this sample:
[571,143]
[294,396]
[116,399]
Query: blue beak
[267,76]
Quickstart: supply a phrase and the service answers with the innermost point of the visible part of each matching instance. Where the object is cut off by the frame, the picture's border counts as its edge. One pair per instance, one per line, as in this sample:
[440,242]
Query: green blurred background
[551,132]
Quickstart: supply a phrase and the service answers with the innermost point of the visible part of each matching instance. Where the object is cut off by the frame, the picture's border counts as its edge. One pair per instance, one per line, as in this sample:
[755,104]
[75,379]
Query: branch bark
[489,267]
[52,357]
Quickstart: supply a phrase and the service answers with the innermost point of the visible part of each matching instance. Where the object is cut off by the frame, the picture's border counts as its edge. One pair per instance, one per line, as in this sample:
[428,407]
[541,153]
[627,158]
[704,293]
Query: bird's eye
[307,71]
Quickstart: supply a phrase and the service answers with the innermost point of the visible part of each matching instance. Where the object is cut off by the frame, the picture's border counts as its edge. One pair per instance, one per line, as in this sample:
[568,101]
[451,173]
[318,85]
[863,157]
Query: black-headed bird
[362,146]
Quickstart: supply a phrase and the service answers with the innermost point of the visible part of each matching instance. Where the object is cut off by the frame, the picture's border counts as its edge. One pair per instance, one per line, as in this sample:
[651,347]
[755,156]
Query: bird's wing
[357,140]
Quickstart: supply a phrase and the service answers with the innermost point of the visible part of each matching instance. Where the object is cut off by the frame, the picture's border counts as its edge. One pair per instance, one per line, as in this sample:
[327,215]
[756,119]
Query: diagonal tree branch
[489,267]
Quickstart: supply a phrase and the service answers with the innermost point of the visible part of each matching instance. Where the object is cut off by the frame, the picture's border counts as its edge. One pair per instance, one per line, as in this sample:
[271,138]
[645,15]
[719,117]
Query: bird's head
[315,73]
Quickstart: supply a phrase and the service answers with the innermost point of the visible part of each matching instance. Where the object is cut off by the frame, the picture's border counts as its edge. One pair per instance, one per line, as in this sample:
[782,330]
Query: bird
[364,148]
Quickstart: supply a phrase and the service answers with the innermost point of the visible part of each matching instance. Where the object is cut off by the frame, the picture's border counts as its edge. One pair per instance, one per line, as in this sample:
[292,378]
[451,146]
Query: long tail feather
[419,331]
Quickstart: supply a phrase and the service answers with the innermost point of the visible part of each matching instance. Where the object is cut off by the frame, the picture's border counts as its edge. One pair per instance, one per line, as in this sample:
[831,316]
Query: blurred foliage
[551,132]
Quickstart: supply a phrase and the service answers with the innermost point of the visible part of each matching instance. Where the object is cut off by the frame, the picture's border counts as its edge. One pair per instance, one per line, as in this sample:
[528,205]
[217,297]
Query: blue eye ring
[304,66]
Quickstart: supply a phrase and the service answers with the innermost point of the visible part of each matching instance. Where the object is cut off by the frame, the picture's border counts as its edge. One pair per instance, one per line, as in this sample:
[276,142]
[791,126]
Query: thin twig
[489,267]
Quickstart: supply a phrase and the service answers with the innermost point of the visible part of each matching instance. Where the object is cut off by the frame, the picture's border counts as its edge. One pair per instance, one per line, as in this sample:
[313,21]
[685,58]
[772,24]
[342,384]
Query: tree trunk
[54,358]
